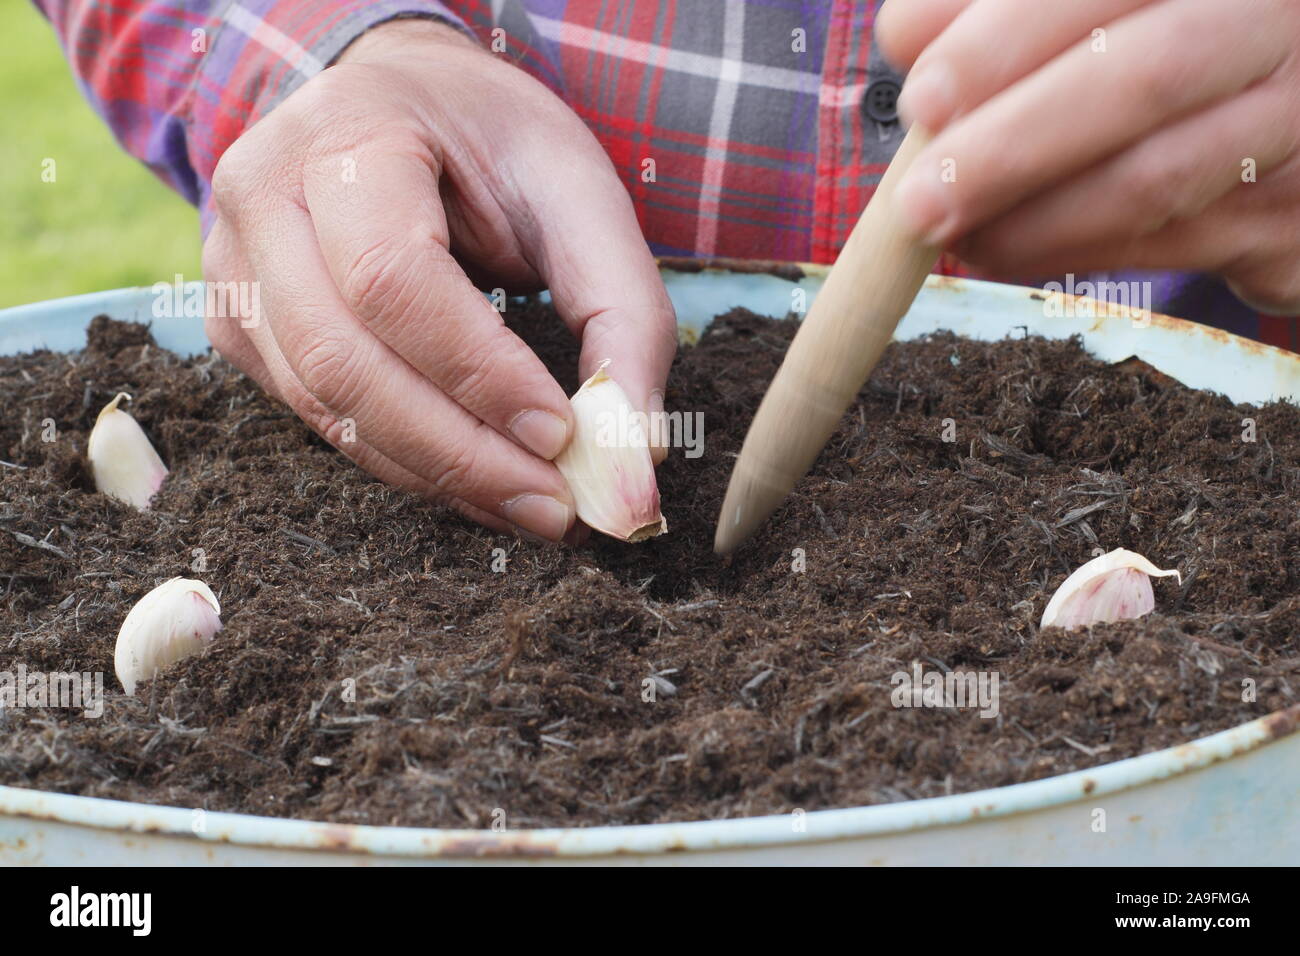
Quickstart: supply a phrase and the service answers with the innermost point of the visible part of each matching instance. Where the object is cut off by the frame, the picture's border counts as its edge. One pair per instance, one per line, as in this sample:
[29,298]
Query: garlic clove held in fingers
[122,461]
[1113,587]
[607,463]
[176,619]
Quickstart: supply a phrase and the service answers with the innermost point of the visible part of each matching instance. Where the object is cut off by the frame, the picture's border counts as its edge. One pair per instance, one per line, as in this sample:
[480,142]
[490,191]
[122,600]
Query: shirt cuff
[263,50]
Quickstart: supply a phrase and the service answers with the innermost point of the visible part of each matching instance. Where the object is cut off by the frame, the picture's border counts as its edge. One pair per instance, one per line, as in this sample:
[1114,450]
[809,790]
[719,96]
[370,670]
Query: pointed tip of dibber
[732,529]
[793,422]
[724,542]
[724,539]
[749,502]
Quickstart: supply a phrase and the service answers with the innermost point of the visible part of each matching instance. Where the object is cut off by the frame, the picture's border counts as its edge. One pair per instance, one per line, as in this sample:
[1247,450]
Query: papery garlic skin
[1113,587]
[122,461]
[613,484]
[176,619]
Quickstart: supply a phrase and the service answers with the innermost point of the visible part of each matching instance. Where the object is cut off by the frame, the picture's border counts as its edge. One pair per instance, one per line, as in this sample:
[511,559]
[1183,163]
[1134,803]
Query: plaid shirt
[769,121]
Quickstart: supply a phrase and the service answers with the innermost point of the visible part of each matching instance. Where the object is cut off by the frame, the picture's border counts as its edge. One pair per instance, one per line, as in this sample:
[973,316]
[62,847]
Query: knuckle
[331,371]
[1161,81]
[213,262]
[223,191]
[1155,189]
[230,175]
[318,417]
[376,278]
[457,474]
[234,177]
[330,428]
[474,379]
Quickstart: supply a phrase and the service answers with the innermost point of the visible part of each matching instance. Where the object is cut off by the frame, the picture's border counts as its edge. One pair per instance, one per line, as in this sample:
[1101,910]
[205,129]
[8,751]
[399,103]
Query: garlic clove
[122,461]
[1113,587]
[176,619]
[607,463]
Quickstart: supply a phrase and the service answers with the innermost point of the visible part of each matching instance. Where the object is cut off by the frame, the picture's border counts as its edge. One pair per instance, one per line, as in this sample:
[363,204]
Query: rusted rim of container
[819,826]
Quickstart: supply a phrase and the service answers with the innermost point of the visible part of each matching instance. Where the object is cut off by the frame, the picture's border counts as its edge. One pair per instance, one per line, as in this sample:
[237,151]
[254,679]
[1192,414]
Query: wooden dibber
[869,289]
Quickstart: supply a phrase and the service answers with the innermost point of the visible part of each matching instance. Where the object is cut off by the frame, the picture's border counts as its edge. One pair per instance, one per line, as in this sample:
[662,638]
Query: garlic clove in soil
[607,463]
[1113,587]
[176,619]
[122,461]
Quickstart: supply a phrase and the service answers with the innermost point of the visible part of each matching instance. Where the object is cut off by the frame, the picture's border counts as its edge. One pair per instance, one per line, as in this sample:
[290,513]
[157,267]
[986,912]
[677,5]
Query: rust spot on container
[1089,785]
[1217,336]
[336,838]
[1084,307]
[1282,723]
[489,846]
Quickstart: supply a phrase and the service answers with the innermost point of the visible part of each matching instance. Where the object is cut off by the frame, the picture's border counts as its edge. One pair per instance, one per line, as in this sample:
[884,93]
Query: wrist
[391,37]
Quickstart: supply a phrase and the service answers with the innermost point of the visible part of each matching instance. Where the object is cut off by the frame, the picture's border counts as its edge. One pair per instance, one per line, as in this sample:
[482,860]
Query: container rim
[817,826]
[820,826]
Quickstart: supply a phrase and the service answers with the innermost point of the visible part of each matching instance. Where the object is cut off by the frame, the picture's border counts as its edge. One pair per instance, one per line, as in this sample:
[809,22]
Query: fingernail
[540,432]
[541,515]
[927,97]
[923,206]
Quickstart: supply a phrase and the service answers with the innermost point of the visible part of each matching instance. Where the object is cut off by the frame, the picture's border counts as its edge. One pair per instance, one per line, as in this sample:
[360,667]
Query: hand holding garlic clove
[608,466]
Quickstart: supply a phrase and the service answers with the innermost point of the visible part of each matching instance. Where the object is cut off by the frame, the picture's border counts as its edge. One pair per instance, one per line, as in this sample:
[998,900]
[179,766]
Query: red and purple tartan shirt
[769,121]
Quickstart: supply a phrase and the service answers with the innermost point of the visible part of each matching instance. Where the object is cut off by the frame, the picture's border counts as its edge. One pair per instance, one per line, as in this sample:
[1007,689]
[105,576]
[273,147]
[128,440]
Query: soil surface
[375,668]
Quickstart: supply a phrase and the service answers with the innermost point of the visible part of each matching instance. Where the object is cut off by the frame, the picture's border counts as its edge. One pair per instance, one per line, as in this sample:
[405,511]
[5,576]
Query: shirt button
[880,102]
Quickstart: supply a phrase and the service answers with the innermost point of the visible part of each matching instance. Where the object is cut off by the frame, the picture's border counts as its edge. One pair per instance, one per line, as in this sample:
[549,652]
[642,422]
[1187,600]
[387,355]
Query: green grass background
[106,221]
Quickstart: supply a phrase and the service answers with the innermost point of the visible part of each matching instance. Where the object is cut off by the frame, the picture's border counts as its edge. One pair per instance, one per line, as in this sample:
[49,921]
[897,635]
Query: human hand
[1107,134]
[368,203]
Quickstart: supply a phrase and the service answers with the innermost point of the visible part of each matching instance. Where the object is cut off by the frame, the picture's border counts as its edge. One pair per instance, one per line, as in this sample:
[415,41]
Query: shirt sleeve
[178,81]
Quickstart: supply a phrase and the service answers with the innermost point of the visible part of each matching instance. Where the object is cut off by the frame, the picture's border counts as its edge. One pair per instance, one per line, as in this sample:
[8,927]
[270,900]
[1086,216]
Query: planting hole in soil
[384,661]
